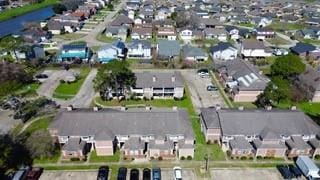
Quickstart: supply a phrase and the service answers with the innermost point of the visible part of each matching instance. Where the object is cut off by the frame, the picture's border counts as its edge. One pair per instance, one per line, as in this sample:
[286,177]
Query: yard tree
[11,44]
[59,8]
[114,76]
[287,66]
[40,144]
[13,154]
[276,91]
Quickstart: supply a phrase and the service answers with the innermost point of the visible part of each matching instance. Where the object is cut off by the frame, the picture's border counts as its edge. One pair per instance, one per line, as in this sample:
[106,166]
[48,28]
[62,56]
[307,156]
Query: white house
[139,49]
[186,34]
[254,49]
[112,51]
[223,51]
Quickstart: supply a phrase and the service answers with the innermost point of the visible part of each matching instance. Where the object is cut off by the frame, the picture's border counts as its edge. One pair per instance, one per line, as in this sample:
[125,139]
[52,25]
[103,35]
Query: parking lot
[198,89]
[247,174]
[187,174]
[70,175]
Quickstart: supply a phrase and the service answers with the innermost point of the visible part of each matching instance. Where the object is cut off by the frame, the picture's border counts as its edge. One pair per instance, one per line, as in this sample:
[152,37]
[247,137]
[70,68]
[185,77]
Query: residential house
[122,20]
[186,34]
[313,21]
[158,85]
[297,147]
[305,50]
[223,51]
[141,33]
[212,33]
[34,35]
[315,144]
[168,50]
[261,21]
[191,53]
[309,83]
[55,27]
[139,49]
[112,51]
[209,23]
[120,32]
[74,148]
[264,33]
[242,80]
[254,49]
[74,52]
[135,131]
[267,131]
[162,13]
[166,33]
[308,33]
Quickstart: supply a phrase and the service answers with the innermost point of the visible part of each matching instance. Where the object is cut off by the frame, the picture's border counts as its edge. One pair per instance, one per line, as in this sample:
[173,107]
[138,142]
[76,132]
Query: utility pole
[206,158]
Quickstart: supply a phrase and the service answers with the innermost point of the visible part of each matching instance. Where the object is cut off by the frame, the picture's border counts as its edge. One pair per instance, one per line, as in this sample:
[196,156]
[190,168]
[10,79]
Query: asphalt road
[51,83]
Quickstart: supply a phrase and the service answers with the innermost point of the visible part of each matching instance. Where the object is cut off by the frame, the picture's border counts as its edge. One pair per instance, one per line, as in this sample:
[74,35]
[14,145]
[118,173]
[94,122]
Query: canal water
[16,24]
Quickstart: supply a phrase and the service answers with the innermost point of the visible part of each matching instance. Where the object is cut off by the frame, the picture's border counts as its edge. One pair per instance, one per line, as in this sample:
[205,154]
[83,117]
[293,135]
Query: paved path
[51,83]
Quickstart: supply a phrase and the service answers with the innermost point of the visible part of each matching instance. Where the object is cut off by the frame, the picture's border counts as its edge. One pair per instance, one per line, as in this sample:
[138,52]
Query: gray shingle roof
[86,122]
[240,142]
[210,118]
[134,143]
[74,144]
[191,51]
[296,142]
[311,78]
[162,79]
[168,48]
[255,121]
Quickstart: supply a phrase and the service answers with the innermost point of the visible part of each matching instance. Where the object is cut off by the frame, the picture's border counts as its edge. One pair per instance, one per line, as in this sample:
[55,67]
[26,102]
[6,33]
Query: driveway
[245,174]
[201,98]
[6,121]
[69,175]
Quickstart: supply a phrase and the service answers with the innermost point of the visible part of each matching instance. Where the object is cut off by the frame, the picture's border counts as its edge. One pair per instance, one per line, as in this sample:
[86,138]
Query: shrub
[208,142]
[160,158]
[229,153]
[317,156]
[182,158]
[215,142]
[243,158]
[152,158]
[259,157]
[75,159]
[62,81]
[251,158]
[189,158]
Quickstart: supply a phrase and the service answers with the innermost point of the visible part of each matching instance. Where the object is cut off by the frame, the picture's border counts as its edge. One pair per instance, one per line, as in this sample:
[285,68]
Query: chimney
[269,108]
[95,109]
[218,107]
[154,78]
[123,108]
[69,108]
[293,108]
[241,108]
[148,108]
[175,108]
[173,78]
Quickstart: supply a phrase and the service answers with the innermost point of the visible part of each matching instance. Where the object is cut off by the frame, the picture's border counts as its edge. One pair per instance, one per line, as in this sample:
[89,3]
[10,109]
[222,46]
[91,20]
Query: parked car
[211,87]
[285,172]
[177,171]
[41,76]
[122,173]
[146,174]
[203,73]
[295,170]
[103,173]
[34,173]
[134,174]
[156,174]
[21,173]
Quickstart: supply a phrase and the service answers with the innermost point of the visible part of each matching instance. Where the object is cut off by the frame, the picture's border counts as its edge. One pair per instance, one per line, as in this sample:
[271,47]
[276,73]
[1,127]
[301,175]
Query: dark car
[103,173]
[146,174]
[285,172]
[156,174]
[122,173]
[34,173]
[41,76]
[134,174]
[295,170]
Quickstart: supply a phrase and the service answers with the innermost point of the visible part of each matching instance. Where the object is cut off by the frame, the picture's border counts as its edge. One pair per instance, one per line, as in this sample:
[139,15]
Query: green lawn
[246,105]
[42,123]
[11,13]
[103,38]
[68,91]
[277,41]
[213,151]
[53,159]
[277,25]
[312,109]
[28,90]
[310,41]
[114,158]
[69,36]
[247,25]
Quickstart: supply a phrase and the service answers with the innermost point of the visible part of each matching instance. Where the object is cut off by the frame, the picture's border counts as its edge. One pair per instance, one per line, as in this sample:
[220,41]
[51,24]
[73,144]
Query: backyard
[94,158]
[277,41]
[280,26]
[103,38]
[69,90]
[11,13]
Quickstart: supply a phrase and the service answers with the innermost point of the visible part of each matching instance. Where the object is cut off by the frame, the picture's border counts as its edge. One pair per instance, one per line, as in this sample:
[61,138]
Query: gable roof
[121,20]
[221,46]
[85,122]
[191,51]
[162,79]
[300,48]
[168,48]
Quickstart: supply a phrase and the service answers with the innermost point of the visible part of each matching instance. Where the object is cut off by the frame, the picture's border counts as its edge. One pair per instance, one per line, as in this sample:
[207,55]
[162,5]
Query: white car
[177,173]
